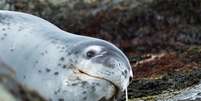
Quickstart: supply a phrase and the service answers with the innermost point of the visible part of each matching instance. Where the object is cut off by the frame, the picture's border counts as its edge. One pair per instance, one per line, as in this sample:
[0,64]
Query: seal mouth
[116,91]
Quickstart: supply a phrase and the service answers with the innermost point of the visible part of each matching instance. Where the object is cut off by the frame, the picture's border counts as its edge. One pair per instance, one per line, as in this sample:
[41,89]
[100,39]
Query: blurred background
[162,38]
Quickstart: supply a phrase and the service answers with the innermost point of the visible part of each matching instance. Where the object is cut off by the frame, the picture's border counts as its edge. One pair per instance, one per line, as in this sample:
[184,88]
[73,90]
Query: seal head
[100,59]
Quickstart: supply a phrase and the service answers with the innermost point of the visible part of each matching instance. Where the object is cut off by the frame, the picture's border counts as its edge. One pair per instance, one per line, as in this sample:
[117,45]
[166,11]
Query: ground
[161,37]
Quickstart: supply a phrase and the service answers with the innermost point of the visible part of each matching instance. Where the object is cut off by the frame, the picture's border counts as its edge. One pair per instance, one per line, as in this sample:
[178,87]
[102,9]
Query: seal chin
[115,92]
[119,86]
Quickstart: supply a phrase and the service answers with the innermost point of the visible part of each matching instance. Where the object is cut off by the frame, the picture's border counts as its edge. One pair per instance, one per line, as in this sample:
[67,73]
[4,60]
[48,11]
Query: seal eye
[91,54]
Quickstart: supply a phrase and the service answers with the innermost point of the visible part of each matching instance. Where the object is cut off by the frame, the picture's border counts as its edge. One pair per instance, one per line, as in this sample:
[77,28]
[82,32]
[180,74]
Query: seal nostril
[131,78]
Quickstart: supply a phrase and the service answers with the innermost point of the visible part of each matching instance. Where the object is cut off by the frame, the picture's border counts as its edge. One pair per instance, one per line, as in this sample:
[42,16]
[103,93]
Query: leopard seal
[60,65]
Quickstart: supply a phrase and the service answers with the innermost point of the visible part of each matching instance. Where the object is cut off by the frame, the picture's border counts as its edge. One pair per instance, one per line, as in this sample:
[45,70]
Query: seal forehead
[94,47]
[94,44]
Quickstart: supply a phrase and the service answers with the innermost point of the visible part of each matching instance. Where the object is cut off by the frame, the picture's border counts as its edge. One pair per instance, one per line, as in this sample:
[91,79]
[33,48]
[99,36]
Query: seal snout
[120,70]
[108,62]
[115,67]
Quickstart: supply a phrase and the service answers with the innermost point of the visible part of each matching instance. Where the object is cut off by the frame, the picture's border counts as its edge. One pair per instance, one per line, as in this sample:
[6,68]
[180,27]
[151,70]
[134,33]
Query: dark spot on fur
[74,84]
[64,91]
[55,92]
[39,71]
[56,73]
[11,50]
[61,99]
[68,53]
[77,78]
[84,83]
[70,60]
[93,88]
[53,41]
[20,28]
[24,77]
[47,70]
[84,92]
[36,61]
[2,38]
[3,29]
[62,58]
[46,51]
[76,52]
[42,54]
[112,73]
[98,84]
[85,98]
[59,64]
[124,73]
[59,90]
[64,66]
[75,61]
[5,34]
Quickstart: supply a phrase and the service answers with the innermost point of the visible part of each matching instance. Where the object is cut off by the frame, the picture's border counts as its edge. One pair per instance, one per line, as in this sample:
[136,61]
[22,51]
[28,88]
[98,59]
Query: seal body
[60,65]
